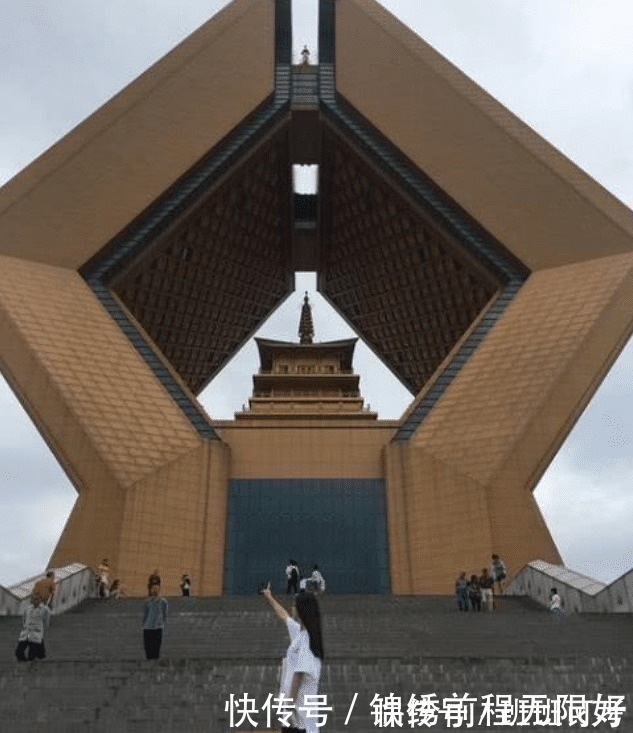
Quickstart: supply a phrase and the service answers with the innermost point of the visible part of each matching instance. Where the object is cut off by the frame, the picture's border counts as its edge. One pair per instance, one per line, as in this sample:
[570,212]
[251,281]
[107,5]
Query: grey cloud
[589,512]
[31,528]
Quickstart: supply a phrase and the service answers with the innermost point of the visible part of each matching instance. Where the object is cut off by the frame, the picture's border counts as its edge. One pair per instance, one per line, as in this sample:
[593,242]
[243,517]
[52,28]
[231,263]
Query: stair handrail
[73,584]
[579,593]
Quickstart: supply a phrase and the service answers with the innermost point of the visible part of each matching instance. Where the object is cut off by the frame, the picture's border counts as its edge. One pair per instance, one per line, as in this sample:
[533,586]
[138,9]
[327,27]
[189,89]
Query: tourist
[152,580]
[301,668]
[44,588]
[461,592]
[116,589]
[474,593]
[185,586]
[292,574]
[35,621]
[555,604]
[103,578]
[154,619]
[486,583]
[318,580]
[498,573]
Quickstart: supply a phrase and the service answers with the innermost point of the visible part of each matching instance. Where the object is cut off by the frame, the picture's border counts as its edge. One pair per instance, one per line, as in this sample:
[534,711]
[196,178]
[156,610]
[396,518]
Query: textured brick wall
[71,361]
[95,401]
[464,482]
[174,522]
[311,449]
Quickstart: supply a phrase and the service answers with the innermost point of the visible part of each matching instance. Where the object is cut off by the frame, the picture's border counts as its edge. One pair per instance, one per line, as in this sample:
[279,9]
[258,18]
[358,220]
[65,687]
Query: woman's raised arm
[279,610]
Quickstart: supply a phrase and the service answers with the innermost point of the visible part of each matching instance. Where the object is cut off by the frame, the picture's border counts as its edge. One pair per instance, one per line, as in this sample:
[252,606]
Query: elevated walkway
[96,679]
[73,584]
[579,593]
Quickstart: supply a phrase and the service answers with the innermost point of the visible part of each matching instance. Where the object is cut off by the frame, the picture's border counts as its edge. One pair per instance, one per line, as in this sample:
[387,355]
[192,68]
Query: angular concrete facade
[136,256]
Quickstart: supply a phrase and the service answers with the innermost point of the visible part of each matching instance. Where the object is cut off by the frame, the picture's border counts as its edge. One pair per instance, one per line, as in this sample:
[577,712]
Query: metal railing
[73,584]
[578,593]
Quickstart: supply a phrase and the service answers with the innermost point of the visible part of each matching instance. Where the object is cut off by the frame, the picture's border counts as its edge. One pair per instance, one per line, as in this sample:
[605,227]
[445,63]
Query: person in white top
[35,621]
[318,581]
[555,604]
[301,669]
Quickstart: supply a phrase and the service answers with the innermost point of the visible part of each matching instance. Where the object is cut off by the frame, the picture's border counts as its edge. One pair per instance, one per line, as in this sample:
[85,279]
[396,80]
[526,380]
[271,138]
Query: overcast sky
[564,67]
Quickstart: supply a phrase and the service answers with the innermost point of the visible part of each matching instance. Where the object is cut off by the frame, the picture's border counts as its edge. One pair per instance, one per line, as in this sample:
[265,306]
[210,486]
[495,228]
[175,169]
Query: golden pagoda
[306,379]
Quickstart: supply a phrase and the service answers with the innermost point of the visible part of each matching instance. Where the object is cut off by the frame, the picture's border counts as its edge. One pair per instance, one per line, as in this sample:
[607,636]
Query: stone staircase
[96,679]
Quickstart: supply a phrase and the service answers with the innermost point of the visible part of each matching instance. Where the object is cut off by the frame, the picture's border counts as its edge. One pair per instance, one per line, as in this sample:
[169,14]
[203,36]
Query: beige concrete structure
[144,248]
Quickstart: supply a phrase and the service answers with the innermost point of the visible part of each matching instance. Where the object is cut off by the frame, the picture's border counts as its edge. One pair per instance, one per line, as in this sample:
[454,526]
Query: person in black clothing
[474,593]
[292,573]
[185,586]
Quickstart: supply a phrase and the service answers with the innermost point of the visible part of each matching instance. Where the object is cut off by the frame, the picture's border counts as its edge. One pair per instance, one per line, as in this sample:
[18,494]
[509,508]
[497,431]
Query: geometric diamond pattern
[376,246]
[203,288]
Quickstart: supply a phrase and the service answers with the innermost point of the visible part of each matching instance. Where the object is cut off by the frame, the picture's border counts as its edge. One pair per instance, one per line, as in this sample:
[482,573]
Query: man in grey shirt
[154,619]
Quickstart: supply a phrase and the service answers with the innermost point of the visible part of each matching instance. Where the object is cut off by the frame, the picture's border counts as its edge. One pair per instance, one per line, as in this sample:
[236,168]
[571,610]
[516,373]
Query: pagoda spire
[306,327]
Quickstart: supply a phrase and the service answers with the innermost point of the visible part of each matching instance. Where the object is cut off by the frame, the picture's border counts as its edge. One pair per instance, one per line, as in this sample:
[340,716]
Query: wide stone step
[365,628]
[191,695]
[96,679]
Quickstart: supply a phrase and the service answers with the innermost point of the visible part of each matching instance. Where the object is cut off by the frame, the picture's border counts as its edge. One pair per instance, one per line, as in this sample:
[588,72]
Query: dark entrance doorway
[338,523]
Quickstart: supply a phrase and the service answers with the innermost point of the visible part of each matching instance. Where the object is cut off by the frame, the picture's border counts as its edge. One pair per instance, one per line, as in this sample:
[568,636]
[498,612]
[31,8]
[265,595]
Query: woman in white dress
[301,669]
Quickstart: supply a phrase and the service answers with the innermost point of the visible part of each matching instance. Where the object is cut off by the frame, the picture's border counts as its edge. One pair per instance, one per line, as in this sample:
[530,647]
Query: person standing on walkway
[301,668]
[35,621]
[154,620]
[461,592]
[153,579]
[498,573]
[318,581]
[103,578]
[116,589]
[486,583]
[474,593]
[555,604]
[185,586]
[292,574]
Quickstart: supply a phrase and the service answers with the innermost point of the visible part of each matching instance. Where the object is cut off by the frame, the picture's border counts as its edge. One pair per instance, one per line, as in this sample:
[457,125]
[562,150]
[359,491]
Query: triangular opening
[232,387]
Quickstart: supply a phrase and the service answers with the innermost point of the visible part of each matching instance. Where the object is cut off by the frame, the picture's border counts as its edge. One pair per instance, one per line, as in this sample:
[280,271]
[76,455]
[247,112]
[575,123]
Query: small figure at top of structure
[305,56]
